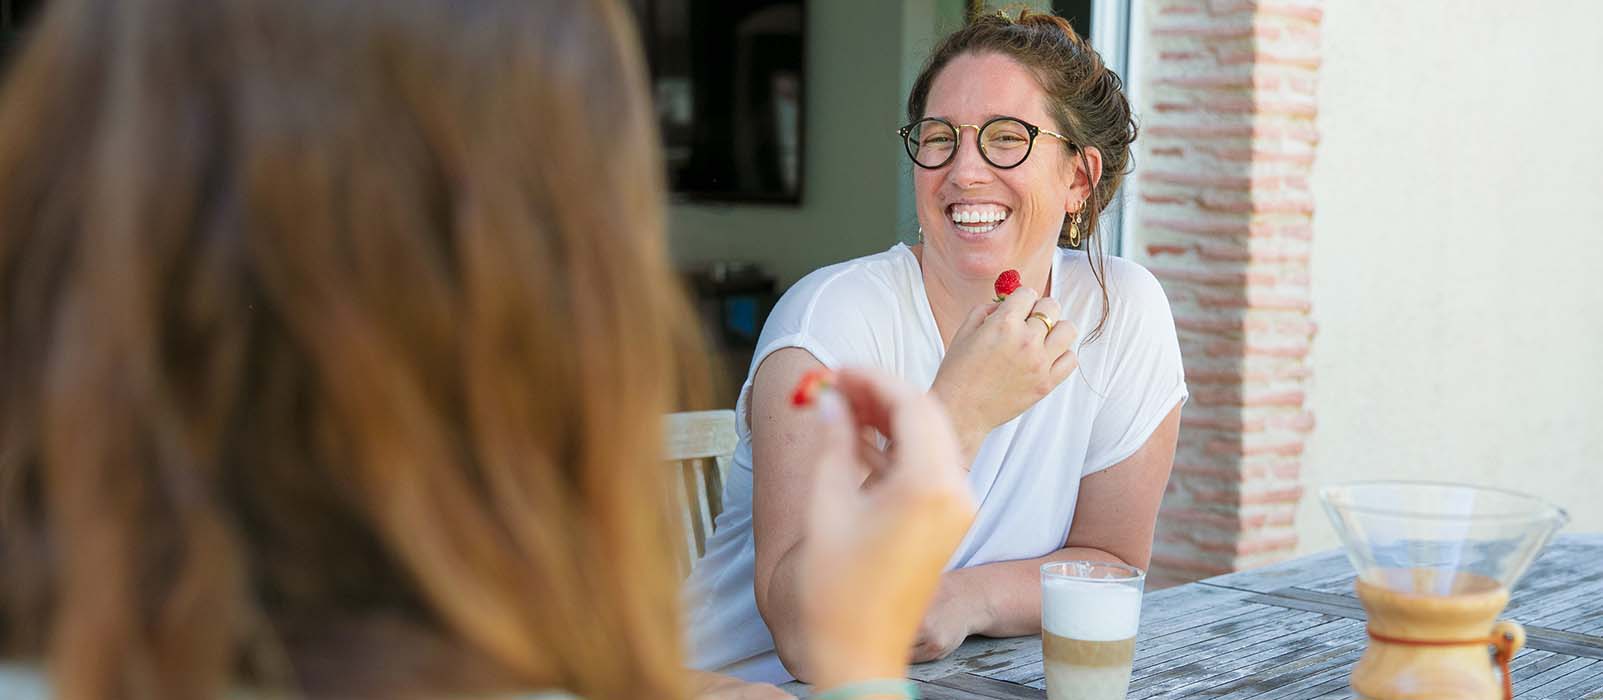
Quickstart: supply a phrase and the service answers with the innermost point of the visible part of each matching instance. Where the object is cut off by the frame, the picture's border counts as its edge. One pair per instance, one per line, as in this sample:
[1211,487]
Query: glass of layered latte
[1089,614]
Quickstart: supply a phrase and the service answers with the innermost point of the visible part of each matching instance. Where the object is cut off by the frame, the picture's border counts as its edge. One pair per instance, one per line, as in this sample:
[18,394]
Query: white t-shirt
[873,312]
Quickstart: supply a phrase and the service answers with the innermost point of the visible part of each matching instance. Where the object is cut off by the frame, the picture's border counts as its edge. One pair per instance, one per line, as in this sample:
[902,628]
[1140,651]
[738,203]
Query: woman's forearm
[969,436]
[1008,593]
[780,607]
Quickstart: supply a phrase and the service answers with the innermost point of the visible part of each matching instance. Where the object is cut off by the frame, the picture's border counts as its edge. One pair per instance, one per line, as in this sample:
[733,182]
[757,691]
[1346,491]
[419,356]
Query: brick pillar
[1224,221]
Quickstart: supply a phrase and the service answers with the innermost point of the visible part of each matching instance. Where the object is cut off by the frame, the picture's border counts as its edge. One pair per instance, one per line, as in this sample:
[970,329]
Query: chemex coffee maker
[1435,566]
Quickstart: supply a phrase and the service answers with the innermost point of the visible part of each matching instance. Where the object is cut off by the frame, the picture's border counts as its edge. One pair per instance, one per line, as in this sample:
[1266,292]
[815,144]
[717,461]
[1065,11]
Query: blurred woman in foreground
[334,342]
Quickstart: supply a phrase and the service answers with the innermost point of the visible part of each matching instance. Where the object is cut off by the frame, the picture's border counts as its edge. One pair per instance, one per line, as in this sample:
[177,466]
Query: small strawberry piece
[1007,283]
[811,383]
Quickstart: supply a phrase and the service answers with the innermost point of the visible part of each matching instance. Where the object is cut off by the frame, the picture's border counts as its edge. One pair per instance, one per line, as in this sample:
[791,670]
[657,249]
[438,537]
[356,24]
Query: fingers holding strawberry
[873,551]
[1002,361]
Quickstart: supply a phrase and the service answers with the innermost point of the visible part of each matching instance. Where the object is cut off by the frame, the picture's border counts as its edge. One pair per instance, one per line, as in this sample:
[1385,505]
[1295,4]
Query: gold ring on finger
[1043,319]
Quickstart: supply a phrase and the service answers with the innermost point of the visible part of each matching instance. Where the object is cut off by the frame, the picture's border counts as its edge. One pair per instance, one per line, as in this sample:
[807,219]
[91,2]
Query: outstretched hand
[874,548]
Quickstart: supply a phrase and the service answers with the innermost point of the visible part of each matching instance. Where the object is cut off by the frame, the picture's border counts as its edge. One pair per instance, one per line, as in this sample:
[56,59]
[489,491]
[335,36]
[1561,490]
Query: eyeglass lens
[1004,142]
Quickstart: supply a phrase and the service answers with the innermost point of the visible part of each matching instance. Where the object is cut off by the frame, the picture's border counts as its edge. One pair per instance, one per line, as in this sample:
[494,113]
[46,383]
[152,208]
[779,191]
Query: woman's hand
[955,614]
[1002,360]
[872,554]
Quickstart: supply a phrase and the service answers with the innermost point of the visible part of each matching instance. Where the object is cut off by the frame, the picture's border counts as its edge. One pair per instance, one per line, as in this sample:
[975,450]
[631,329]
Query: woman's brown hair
[1086,100]
[335,337]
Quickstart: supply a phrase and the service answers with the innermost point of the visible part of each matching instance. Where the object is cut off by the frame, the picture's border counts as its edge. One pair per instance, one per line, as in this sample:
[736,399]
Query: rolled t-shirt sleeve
[837,314]
[1141,377]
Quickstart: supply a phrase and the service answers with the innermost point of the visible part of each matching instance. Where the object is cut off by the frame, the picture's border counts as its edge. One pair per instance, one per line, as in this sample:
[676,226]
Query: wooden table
[1293,631]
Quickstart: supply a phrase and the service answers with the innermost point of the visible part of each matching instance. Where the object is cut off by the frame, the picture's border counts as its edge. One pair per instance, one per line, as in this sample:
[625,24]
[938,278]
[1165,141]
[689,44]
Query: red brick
[1302,422]
[1201,227]
[1294,372]
[1228,447]
[1236,396]
[1225,279]
[1302,232]
[1236,253]
[1263,58]
[1208,518]
[1258,204]
[1225,426]
[1231,378]
[1240,131]
[1289,494]
[1208,82]
[1281,205]
[1202,396]
[1178,56]
[1180,10]
[1214,31]
[1254,301]
[1156,250]
[1303,34]
[1267,156]
[1238,376]
[1224,251]
[1287,472]
[1171,151]
[1301,133]
[1225,7]
[1227,105]
[1277,398]
[1286,108]
[1211,326]
[1229,348]
[1302,12]
[1154,198]
[1229,182]
[1229,474]
[1301,327]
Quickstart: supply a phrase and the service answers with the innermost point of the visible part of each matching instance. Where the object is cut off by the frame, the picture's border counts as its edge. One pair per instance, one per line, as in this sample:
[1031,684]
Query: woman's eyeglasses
[1004,141]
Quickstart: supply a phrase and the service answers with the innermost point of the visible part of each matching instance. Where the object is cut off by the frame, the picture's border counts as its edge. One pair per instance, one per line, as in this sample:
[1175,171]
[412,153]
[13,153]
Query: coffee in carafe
[1436,564]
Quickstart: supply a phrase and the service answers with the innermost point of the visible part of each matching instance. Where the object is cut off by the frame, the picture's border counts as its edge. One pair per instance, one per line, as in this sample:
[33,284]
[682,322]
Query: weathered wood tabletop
[1293,631]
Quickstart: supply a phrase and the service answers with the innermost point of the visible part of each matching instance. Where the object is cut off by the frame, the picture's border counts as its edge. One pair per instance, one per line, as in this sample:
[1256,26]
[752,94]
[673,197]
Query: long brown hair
[1085,97]
[334,341]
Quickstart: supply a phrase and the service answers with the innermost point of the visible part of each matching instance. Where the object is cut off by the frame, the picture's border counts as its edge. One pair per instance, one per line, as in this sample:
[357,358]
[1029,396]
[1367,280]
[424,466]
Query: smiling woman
[1019,136]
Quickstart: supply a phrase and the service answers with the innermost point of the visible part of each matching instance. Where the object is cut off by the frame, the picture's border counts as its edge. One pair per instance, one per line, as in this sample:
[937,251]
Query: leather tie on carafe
[1503,642]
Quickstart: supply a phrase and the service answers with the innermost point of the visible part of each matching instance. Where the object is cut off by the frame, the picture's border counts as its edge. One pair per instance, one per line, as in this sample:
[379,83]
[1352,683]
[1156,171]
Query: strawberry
[811,383]
[1006,283]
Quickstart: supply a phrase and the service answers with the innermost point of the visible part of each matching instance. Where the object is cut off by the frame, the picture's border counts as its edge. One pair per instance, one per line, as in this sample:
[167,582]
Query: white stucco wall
[1458,250]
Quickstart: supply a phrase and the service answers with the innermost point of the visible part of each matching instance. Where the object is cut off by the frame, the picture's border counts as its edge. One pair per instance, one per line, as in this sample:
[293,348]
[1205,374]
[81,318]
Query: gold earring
[1074,230]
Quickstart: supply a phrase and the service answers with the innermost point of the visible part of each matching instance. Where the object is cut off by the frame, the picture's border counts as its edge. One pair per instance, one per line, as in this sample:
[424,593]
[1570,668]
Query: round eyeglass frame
[906,132]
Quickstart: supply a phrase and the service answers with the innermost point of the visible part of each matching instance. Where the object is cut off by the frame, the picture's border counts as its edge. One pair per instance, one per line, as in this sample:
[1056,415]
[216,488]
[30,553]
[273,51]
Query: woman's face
[979,219]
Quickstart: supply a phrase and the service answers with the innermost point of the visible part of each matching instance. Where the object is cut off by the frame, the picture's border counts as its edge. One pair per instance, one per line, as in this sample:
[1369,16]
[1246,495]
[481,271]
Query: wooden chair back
[700,446]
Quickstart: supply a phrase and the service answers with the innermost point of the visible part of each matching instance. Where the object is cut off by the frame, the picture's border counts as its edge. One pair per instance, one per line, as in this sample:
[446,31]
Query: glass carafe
[1435,565]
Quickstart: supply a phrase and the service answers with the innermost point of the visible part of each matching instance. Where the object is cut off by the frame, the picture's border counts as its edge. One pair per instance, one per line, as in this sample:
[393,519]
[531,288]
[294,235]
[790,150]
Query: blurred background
[1379,224]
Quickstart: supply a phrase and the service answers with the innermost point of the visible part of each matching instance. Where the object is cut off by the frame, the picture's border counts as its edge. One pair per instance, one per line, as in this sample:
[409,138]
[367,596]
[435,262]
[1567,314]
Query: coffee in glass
[1090,612]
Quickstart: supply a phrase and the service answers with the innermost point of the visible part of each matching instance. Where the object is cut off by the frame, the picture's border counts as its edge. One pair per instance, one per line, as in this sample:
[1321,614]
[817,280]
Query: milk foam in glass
[1090,612]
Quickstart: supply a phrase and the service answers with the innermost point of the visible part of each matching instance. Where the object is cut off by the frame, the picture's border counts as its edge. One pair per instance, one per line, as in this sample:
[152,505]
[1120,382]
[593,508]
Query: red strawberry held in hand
[811,384]
[1006,283]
